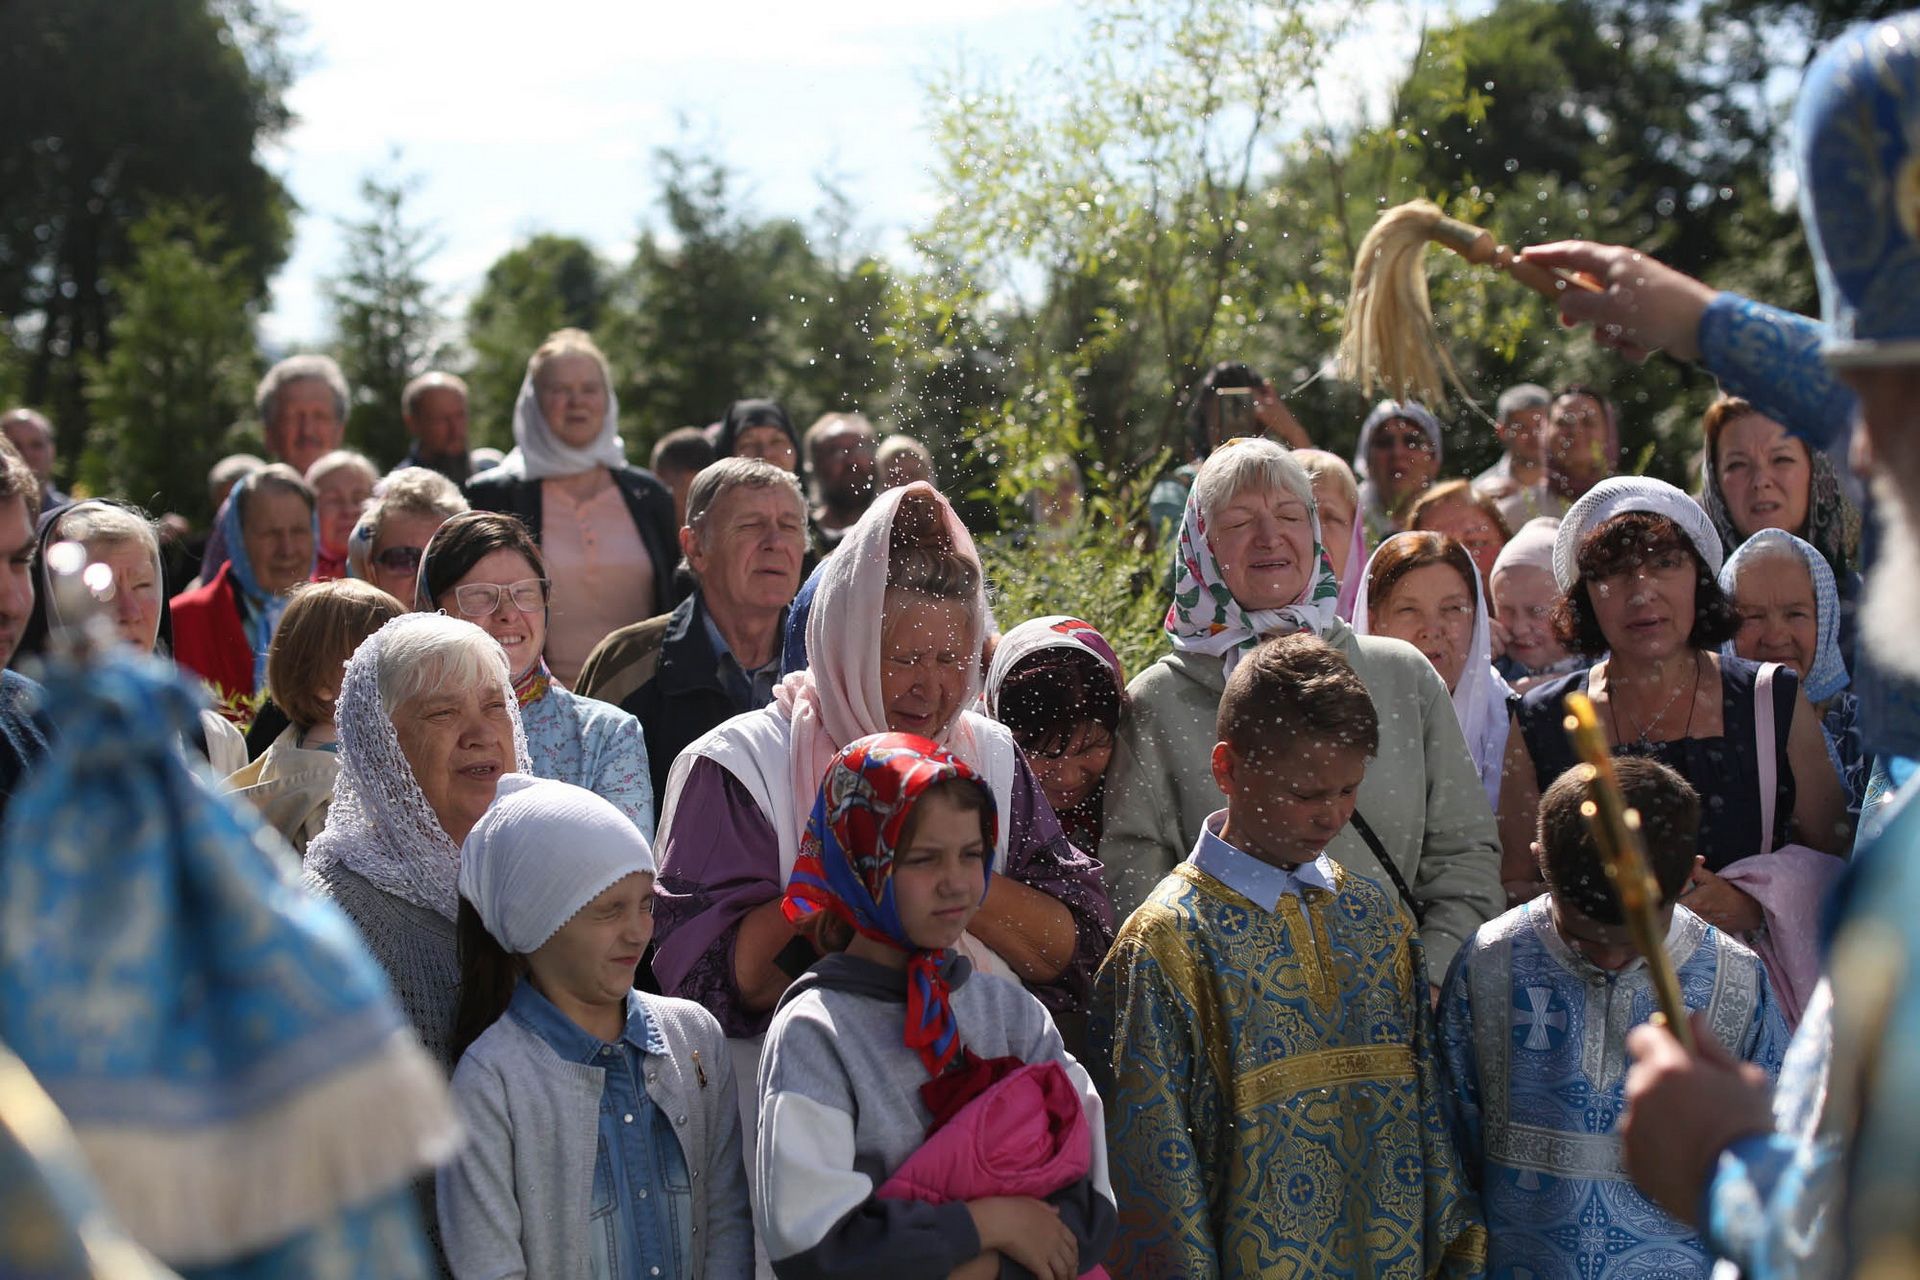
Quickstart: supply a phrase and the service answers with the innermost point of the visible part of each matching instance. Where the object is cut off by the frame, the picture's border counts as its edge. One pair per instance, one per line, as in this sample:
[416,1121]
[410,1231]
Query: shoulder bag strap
[1365,831]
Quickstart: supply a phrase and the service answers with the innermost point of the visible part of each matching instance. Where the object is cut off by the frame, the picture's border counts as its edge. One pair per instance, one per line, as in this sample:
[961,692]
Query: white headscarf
[1531,547]
[1618,495]
[1480,699]
[539,453]
[380,825]
[542,851]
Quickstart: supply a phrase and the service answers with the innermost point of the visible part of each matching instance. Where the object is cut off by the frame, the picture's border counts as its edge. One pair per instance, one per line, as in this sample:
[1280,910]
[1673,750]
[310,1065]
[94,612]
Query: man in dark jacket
[718,654]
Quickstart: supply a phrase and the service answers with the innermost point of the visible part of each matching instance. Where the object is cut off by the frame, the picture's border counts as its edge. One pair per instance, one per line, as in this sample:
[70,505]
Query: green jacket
[1421,795]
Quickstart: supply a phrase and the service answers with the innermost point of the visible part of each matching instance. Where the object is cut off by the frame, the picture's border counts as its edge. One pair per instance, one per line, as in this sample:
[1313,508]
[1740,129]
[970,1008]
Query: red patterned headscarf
[845,866]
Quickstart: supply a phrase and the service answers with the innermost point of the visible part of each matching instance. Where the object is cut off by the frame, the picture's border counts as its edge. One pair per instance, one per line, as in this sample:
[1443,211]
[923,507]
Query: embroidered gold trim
[1322,1069]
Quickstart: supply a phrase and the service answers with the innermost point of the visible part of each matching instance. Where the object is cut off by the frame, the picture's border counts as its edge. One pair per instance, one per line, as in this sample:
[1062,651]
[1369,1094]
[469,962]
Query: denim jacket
[638,1140]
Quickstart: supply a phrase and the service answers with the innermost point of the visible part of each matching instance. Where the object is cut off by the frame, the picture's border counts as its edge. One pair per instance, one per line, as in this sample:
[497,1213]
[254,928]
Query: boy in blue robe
[1533,1026]
[1265,1020]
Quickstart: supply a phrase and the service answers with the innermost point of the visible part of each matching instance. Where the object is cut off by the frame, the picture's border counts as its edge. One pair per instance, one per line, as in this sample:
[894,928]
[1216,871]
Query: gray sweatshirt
[840,1110]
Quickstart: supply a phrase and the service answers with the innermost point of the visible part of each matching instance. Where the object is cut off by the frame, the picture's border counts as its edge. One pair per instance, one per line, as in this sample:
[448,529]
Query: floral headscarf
[1828,674]
[1056,631]
[846,867]
[1205,618]
[1833,522]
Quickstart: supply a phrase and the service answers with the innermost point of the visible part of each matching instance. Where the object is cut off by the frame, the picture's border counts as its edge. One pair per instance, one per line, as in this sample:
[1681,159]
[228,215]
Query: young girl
[891,1035]
[604,1137]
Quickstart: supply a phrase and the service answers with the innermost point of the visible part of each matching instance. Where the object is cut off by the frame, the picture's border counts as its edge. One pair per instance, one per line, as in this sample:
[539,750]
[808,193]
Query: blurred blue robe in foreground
[245,1091]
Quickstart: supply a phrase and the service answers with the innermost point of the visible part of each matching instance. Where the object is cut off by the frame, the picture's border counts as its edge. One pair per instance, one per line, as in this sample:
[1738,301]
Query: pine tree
[180,370]
[386,316]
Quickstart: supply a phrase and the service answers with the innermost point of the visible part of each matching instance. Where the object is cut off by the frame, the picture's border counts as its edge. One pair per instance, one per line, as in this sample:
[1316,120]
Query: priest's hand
[1642,305]
[1683,1110]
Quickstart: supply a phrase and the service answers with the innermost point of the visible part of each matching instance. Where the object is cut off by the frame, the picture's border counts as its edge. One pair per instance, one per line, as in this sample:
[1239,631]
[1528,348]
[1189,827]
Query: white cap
[541,852]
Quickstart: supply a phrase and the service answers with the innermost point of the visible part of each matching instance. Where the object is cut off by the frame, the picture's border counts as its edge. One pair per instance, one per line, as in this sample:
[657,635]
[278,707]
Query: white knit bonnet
[541,852]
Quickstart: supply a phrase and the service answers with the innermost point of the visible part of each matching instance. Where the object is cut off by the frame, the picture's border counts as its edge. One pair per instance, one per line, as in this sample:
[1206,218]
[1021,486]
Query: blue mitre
[1857,152]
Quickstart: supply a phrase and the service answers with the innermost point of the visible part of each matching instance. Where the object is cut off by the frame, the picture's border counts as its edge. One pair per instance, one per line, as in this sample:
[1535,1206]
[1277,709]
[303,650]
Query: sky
[545,118]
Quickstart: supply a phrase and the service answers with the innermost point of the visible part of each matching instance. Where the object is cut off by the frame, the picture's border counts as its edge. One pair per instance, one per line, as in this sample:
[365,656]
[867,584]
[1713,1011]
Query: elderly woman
[1336,495]
[1524,595]
[223,630]
[428,725]
[121,537]
[1058,685]
[1789,607]
[1468,517]
[483,567]
[895,637]
[393,531]
[1396,459]
[1755,476]
[1423,588]
[342,482]
[1636,561]
[291,784]
[1251,564]
[606,528]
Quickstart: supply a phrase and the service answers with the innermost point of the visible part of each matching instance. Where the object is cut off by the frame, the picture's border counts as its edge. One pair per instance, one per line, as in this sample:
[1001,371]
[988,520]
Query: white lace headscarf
[380,825]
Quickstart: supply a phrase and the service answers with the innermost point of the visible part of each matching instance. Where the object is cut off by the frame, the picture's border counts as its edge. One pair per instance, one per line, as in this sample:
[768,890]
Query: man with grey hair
[1520,424]
[718,654]
[434,407]
[302,402]
[31,433]
[303,409]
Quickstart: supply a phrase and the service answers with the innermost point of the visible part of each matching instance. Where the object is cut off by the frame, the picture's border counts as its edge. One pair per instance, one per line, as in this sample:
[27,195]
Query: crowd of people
[768,906]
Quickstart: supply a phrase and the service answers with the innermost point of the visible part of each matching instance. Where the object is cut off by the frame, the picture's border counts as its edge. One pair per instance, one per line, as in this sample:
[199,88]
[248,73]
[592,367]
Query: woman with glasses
[484,568]
[1057,685]
[386,544]
[1396,460]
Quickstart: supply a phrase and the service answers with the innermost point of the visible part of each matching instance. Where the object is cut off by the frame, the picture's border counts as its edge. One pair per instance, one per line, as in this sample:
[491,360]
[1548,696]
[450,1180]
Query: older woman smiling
[428,725]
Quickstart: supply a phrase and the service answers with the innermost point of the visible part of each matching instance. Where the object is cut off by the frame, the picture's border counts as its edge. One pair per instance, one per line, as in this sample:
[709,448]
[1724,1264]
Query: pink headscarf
[837,700]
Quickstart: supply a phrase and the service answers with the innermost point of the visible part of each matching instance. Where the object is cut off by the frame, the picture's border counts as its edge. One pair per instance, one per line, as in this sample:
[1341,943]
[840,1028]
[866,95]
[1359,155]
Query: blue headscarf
[228,1053]
[1828,675]
[263,608]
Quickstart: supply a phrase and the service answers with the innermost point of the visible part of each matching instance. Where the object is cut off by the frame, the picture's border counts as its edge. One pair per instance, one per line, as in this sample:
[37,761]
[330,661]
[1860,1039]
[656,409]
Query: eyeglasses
[478,599]
[400,559]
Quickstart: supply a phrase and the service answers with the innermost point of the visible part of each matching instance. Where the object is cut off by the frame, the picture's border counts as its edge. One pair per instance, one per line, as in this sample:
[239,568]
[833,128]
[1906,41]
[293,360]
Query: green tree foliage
[719,304]
[550,282]
[180,366]
[108,109]
[386,315]
[1107,197]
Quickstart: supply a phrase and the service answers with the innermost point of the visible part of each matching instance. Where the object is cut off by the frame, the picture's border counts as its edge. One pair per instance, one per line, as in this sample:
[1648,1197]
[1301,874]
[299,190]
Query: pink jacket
[1024,1136]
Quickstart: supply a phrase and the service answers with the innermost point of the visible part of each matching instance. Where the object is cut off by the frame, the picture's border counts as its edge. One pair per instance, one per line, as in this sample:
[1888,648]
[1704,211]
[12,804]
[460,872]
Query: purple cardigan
[716,868]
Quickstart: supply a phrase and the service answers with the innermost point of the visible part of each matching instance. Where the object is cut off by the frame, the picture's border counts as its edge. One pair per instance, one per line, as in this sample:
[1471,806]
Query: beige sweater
[1421,795]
